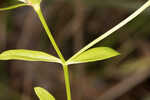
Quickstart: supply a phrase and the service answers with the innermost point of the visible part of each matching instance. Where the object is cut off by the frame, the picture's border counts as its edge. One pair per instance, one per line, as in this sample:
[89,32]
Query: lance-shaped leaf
[28,55]
[43,94]
[94,54]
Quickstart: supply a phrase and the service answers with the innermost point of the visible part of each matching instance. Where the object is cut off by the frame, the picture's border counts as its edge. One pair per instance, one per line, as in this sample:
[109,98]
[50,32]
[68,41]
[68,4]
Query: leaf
[94,54]
[43,94]
[28,55]
[13,7]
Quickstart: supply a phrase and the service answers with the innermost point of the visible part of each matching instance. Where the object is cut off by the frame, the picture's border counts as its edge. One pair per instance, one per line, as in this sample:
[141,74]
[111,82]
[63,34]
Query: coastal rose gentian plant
[86,54]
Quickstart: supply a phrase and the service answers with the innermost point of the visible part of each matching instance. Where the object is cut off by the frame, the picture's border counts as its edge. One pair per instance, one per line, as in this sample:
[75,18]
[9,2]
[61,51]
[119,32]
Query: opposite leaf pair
[94,54]
[84,55]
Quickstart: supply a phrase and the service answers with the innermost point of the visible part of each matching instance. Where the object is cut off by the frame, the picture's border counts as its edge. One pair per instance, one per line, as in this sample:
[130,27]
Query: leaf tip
[43,94]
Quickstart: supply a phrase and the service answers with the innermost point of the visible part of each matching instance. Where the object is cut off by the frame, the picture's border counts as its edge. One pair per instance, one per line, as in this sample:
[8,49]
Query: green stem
[121,24]
[13,7]
[67,82]
[48,32]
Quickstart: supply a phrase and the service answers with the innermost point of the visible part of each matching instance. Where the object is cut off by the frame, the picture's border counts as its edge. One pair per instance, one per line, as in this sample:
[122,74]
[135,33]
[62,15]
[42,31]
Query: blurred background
[75,23]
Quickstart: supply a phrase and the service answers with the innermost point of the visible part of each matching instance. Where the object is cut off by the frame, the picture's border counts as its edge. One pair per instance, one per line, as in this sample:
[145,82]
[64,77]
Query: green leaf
[28,55]
[13,7]
[43,94]
[93,54]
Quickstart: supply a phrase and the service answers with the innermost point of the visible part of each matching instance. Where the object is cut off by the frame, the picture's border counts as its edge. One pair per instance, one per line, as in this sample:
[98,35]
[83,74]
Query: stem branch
[118,26]
[48,32]
[13,7]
